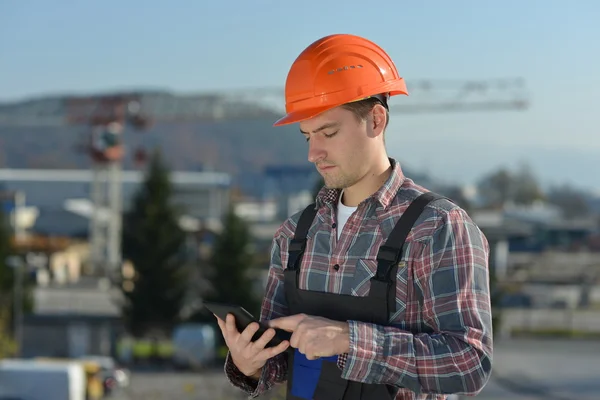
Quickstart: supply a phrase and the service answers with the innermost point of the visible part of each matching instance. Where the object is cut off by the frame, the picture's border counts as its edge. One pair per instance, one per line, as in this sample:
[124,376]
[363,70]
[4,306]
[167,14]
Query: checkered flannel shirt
[440,344]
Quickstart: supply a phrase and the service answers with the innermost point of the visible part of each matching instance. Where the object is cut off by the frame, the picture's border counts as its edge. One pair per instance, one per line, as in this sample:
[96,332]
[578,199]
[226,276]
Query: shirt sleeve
[455,355]
[273,306]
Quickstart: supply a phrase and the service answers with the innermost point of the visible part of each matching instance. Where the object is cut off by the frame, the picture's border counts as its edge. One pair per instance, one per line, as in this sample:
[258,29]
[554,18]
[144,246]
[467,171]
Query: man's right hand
[249,357]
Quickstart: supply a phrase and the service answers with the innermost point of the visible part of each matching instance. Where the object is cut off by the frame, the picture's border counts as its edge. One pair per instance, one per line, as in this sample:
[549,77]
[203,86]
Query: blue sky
[190,46]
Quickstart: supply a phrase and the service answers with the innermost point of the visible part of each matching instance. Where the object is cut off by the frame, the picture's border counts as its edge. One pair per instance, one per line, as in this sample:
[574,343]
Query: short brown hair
[362,108]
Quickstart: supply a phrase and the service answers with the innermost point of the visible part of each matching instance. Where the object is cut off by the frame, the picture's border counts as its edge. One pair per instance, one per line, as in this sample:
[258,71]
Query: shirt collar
[384,195]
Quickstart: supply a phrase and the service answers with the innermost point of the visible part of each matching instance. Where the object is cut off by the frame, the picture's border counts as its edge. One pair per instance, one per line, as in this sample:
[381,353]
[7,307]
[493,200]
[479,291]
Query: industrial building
[75,314]
[57,201]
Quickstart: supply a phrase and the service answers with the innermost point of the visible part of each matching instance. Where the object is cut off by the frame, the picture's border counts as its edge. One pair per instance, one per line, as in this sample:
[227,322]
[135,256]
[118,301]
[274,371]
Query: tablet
[243,318]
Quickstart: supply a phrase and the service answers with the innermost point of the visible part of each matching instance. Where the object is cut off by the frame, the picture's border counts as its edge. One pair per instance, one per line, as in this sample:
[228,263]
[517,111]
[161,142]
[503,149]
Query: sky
[61,46]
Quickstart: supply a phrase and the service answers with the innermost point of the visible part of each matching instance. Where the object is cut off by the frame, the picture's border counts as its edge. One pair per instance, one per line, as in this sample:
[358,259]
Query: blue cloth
[305,374]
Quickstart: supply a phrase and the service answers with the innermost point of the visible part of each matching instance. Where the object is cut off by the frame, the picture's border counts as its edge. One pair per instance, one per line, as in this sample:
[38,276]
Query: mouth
[325,167]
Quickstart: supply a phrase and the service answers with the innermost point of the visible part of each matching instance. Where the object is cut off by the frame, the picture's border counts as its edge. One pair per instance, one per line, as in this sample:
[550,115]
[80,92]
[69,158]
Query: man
[383,285]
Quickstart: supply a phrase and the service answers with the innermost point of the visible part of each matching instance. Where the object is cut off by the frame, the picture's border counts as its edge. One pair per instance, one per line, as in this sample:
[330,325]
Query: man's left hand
[315,337]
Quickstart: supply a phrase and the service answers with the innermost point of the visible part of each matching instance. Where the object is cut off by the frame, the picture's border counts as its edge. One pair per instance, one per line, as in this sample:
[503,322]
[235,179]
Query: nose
[316,151]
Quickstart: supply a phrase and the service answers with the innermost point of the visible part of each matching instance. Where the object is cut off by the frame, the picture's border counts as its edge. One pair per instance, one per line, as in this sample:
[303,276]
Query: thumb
[288,324]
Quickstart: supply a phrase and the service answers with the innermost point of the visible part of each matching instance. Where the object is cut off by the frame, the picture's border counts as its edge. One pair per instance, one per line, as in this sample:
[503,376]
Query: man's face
[340,146]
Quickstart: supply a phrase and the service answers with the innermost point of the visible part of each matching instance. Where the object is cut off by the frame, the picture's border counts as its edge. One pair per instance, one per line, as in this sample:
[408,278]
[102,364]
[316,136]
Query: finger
[264,339]
[273,351]
[308,351]
[246,336]
[230,325]
[286,323]
[305,347]
[295,340]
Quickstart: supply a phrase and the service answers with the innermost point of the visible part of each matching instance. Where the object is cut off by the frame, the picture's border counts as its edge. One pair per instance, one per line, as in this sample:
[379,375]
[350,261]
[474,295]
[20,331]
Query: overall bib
[321,379]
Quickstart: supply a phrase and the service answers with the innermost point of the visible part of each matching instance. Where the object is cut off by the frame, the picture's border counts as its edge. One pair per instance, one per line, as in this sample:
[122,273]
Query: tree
[502,186]
[231,264]
[154,243]
[526,187]
[7,345]
[496,297]
[6,273]
[571,201]
[497,188]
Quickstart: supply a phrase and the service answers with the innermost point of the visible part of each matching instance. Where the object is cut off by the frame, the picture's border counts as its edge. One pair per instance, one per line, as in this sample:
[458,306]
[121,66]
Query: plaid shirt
[441,343]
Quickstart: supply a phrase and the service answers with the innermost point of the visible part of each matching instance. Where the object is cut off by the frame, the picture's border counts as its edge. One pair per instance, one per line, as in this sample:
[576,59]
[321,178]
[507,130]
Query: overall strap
[390,253]
[298,243]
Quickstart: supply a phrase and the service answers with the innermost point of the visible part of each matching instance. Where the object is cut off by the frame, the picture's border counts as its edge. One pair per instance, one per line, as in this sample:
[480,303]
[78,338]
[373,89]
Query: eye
[331,134]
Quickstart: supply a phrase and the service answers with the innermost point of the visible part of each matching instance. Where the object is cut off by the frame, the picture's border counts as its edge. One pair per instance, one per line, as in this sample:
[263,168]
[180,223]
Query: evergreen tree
[231,262]
[527,188]
[496,297]
[7,345]
[571,201]
[497,188]
[6,273]
[153,242]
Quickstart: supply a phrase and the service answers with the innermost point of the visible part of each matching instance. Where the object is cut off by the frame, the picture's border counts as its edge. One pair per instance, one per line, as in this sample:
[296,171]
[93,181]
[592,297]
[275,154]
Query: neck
[369,184]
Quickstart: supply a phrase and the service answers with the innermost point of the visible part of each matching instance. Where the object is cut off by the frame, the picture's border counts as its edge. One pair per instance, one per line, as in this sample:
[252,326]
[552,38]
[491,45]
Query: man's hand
[315,337]
[249,357]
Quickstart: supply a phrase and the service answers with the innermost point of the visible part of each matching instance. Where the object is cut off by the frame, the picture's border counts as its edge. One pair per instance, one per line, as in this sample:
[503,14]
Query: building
[75,315]
[61,197]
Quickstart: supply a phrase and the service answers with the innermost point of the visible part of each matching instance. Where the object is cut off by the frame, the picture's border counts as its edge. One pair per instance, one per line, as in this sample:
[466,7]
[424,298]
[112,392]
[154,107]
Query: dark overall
[321,379]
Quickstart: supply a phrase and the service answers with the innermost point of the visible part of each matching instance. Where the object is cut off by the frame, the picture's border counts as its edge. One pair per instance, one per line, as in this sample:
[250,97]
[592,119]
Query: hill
[243,143]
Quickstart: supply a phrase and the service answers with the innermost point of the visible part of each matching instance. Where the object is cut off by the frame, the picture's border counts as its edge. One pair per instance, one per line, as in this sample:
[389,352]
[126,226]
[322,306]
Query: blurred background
[140,175]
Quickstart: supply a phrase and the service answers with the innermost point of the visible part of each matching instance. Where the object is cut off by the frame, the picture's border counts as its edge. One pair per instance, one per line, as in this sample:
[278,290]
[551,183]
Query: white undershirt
[343,213]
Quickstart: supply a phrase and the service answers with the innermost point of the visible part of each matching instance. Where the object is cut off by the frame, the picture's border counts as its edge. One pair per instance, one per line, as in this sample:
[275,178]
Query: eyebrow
[323,127]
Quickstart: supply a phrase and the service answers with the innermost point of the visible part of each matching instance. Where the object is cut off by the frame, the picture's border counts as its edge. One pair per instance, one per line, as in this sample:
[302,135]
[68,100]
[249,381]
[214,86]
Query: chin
[334,186]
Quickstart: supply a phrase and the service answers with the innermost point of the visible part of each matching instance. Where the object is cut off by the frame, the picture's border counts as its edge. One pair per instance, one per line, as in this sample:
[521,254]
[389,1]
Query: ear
[379,120]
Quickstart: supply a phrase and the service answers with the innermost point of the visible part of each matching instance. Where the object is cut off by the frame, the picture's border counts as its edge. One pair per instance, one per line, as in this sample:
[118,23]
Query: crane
[107,117]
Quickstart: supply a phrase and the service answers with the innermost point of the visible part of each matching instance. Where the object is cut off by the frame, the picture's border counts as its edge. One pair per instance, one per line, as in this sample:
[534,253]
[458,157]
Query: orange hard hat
[336,70]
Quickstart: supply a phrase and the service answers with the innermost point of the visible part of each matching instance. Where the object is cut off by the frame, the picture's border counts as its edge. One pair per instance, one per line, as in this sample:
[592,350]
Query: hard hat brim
[301,115]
